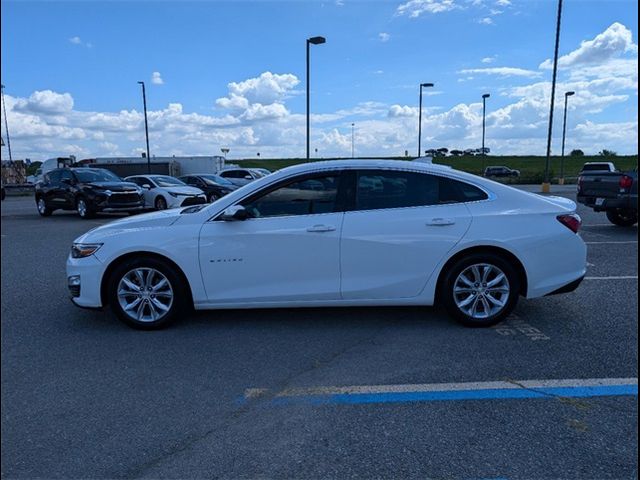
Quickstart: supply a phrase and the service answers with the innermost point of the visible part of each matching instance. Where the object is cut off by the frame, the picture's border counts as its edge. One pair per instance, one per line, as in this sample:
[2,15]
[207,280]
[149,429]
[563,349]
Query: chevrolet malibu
[336,233]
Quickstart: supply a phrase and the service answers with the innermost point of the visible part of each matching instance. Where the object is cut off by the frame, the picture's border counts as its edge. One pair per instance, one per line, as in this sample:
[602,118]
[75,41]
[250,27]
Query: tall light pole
[420,117]
[146,125]
[6,125]
[353,125]
[564,135]
[484,112]
[546,183]
[311,41]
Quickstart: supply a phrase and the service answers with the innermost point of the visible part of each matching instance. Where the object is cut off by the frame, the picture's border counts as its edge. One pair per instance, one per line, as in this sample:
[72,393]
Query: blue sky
[231,74]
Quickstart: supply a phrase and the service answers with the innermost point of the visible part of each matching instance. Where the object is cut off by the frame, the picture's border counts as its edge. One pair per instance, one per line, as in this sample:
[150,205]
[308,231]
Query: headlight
[174,194]
[81,250]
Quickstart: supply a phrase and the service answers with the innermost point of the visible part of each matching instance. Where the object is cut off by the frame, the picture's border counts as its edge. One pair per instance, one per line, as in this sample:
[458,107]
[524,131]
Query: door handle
[321,228]
[440,222]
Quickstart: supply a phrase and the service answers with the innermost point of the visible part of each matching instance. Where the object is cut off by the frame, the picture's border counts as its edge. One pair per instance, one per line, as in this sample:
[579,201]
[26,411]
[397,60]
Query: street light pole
[420,117]
[6,125]
[546,183]
[353,140]
[484,111]
[564,135]
[310,41]
[146,125]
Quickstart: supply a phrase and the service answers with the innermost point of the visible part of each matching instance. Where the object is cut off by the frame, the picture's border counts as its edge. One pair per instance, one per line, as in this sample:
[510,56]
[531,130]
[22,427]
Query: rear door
[399,228]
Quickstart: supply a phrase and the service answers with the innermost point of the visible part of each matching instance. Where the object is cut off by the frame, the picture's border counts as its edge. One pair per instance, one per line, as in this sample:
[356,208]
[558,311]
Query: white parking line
[613,242]
[620,277]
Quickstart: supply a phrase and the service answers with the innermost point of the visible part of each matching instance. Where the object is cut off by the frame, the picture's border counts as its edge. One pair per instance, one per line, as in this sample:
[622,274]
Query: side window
[303,197]
[454,191]
[234,174]
[378,189]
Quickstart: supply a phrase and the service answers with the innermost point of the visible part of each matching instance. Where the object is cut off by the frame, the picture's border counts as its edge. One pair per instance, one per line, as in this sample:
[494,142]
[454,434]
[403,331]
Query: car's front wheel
[146,293]
[160,203]
[43,208]
[623,217]
[83,208]
[212,197]
[480,290]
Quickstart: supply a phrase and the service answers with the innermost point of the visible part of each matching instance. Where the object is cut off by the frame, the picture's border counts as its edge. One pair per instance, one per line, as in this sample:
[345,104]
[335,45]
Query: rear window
[380,189]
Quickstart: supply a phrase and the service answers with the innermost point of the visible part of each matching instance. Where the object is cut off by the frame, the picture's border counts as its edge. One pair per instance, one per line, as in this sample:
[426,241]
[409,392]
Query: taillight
[625,182]
[571,221]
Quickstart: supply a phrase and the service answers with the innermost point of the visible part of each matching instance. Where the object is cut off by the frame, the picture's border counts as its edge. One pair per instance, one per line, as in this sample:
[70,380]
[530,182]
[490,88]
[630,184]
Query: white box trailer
[185,165]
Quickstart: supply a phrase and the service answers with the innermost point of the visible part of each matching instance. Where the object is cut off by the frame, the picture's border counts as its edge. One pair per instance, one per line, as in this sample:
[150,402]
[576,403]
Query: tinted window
[393,189]
[167,181]
[305,197]
[54,176]
[88,175]
[215,180]
[66,175]
[235,174]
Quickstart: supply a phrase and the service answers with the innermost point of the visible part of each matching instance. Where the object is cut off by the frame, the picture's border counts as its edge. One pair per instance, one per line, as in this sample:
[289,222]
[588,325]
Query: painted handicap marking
[514,325]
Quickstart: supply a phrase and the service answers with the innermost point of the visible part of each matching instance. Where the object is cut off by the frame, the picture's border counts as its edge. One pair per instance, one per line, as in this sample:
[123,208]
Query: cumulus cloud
[415,8]
[501,71]
[613,42]
[78,41]
[402,111]
[487,60]
[485,21]
[384,37]
[156,78]
[265,89]
[46,102]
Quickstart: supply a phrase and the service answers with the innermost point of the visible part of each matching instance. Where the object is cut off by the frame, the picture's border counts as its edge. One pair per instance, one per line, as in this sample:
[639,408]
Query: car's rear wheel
[43,208]
[160,203]
[83,208]
[146,293]
[623,217]
[480,290]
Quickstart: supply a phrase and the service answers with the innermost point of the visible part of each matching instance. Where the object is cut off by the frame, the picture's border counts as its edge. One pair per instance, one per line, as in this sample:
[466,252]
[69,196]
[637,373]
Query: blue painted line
[457,395]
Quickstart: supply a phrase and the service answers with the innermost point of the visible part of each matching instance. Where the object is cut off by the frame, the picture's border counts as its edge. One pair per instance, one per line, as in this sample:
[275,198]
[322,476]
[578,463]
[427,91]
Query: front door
[288,250]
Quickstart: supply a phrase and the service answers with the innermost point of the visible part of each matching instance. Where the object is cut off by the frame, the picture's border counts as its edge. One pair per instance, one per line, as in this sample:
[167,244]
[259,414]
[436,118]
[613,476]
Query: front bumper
[83,281]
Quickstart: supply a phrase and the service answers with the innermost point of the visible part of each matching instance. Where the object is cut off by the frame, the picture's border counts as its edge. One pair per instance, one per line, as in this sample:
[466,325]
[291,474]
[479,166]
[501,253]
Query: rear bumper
[625,201]
[569,287]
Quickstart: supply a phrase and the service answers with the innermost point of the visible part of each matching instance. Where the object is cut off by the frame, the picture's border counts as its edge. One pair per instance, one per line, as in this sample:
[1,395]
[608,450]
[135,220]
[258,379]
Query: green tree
[607,153]
[577,153]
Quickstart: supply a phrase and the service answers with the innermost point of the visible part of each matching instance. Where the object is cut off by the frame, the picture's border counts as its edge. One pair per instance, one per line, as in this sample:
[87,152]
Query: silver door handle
[440,222]
[321,228]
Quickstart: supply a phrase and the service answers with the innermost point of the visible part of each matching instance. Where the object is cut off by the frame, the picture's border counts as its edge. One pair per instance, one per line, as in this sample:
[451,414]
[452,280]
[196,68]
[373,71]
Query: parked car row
[92,190]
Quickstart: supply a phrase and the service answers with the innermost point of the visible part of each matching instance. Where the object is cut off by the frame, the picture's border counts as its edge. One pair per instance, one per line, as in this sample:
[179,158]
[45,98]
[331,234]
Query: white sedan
[337,233]
[162,191]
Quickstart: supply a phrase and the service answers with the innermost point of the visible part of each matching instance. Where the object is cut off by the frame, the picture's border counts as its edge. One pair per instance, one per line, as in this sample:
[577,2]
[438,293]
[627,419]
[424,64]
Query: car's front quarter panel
[177,242]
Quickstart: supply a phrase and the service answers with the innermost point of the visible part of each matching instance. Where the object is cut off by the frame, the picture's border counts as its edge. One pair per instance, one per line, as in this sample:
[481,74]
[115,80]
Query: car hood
[114,186]
[145,221]
[184,190]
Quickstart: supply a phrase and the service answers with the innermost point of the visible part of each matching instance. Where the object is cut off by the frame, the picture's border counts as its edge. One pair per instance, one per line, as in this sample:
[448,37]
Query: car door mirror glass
[146,186]
[234,213]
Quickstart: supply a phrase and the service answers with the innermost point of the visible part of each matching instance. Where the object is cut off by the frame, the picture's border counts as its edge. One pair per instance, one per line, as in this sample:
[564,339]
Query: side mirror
[237,212]
[147,186]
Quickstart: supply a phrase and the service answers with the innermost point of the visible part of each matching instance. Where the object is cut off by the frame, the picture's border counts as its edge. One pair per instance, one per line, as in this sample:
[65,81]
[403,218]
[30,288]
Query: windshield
[215,180]
[167,181]
[90,175]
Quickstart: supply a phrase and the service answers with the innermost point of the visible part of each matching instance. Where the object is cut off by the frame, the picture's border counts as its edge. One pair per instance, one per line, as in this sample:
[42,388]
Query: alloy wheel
[481,291]
[145,294]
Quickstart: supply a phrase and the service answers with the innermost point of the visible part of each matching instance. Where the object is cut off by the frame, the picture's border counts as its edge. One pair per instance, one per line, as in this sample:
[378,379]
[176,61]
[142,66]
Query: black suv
[501,172]
[88,191]
[214,186]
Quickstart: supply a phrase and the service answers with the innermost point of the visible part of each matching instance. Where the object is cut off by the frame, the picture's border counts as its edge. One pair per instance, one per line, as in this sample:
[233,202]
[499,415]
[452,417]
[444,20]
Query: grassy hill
[531,167]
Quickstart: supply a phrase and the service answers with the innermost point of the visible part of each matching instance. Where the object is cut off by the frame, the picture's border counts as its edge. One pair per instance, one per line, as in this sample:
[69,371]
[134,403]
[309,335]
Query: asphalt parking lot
[84,396]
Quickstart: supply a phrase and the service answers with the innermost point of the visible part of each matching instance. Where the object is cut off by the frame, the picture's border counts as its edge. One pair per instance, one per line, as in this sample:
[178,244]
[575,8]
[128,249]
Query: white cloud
[503,3]
[156,78]
[384,37]
[487,60]
[75,40]
[402,111]
[46,102]
[267,88]
[485,21]
[415,8]
[613,42]
[502,71]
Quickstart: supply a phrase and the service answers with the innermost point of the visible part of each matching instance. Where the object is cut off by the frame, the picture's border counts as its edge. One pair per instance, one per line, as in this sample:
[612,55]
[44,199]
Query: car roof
[368,164]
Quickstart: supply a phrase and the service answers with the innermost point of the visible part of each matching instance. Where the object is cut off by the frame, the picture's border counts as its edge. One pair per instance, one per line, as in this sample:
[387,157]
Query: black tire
[509,299]
[83,208]
[4,194]
[623,217]
[43,209]
[175,280]
[160,203]
[212,197]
